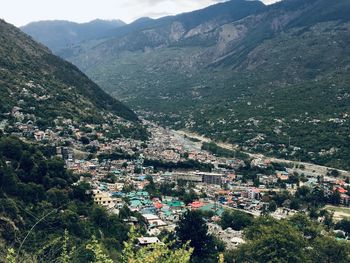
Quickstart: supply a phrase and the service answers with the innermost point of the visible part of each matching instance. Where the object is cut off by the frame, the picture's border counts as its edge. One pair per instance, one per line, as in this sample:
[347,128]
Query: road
[310,168]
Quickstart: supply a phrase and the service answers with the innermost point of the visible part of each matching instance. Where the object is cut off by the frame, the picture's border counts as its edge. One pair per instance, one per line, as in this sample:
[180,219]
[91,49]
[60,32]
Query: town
[161,178]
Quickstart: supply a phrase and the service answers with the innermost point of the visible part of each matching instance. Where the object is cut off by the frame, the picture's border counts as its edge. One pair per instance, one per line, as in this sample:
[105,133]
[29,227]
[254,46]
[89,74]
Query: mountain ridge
[58,34]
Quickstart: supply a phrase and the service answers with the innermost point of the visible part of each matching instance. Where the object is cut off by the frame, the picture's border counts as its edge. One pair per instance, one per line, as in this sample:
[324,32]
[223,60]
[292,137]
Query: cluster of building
[120,182]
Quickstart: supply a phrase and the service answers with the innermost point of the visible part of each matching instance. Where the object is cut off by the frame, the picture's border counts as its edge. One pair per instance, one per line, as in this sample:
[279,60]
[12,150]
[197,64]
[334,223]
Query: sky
[21,12]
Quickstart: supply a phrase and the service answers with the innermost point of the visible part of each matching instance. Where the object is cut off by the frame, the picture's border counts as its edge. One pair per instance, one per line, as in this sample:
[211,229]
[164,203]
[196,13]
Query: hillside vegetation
[38,198]
[38,87]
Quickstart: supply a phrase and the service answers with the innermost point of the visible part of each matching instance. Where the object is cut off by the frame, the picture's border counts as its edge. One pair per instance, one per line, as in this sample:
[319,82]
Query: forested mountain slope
[38,86]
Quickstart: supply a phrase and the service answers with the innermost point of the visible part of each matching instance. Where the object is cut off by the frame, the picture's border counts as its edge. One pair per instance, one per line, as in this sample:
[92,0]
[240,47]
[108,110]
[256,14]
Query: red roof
[158,205]
[341,190]
[196,204]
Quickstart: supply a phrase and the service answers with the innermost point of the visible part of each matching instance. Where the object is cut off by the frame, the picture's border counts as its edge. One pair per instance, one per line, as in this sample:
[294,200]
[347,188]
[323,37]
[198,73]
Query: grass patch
[339,212]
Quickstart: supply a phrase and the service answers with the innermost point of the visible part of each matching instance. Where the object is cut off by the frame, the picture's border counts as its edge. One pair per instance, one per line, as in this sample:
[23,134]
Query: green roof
[147,202]
[142,193]
[174,203]
[135,203]
[211,207]
[168,213]
[207,207]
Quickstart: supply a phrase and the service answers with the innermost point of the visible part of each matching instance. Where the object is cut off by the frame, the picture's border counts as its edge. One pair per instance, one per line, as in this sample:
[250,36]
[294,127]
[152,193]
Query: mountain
[59,34]
[272,79]
[37,86]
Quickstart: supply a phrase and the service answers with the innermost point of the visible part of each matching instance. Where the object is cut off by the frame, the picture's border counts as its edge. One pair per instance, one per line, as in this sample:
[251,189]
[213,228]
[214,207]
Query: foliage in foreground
[40,199]
[156,253]
[295,240]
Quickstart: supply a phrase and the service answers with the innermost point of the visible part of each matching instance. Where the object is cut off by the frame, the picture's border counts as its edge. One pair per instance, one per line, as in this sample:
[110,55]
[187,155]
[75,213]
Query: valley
[217,135]
[261,77]
[160,177]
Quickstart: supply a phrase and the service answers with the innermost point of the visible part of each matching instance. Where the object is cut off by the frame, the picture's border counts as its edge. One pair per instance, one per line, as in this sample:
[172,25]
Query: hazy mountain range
[59,34]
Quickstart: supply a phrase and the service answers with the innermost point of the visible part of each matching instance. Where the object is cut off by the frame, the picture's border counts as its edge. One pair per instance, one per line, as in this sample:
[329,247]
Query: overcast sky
[21,12]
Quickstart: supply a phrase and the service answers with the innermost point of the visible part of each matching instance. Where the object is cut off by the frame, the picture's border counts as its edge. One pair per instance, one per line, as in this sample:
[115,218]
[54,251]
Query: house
[341,190]
[253,193]
[135,204]
[175,204]
[150,218]
[266,180]
[211,178]
[282,175]
[103,198]
[154,222]
[235,241]
[39,135]
[196,204]
[144,241]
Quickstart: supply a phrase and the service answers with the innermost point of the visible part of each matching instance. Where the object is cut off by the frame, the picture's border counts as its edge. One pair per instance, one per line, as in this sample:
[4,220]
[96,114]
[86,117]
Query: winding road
[310,168]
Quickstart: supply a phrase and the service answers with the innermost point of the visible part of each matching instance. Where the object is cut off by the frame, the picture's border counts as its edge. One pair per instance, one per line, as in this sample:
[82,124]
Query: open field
[339,212]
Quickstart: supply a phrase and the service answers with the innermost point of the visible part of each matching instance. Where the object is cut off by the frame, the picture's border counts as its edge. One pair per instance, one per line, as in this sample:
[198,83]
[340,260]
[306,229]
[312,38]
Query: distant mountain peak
[59,34]
[143,19]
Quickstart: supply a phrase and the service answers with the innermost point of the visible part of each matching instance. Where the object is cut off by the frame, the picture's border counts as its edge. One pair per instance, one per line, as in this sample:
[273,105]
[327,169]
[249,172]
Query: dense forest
[40,200]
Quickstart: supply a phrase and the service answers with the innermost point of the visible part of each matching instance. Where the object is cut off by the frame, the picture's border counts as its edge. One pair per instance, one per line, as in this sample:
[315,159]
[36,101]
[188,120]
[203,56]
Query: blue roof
[117,194]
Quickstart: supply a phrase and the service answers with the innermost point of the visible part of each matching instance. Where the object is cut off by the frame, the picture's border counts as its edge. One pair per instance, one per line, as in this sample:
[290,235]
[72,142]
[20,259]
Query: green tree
[295,204]
[137,170]
[302,223]
[269,240]
[344,225]
[192,228]
[334,173]
[11,256]
[272,206]
[328,249]
[335,198]
[66,255]
[190,196]
[85,140]
[237,220]
[100,254]
[80,192]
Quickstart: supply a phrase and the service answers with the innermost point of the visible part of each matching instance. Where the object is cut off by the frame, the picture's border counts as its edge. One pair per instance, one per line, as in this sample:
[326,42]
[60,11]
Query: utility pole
[289,141]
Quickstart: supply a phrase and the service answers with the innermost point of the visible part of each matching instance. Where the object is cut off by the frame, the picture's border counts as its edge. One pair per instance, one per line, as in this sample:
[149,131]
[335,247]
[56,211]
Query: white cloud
[269,2]
[21,12]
